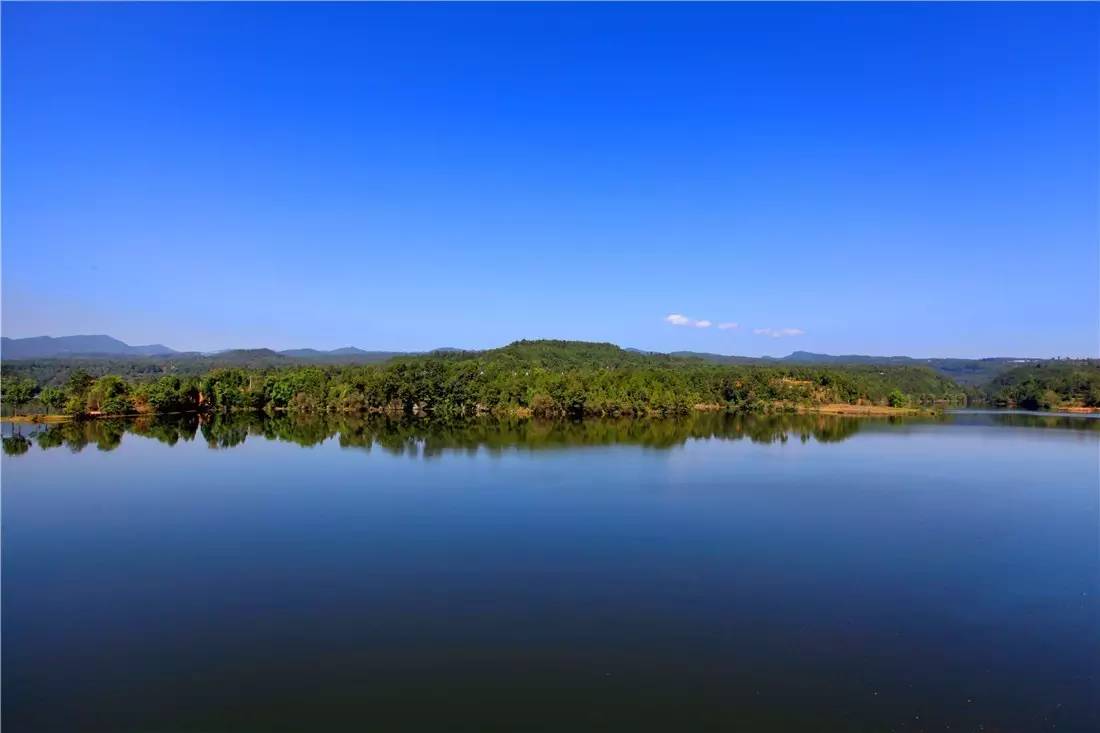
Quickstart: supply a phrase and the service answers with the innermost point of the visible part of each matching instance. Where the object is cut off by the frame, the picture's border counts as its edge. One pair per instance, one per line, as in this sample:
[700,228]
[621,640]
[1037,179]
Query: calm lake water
[719,573]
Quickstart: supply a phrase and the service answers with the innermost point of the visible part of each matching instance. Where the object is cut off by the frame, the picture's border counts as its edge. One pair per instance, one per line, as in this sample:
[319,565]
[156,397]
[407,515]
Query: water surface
[718,573]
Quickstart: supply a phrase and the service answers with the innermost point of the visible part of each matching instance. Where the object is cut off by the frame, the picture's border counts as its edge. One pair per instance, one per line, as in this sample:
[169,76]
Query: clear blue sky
[884,179]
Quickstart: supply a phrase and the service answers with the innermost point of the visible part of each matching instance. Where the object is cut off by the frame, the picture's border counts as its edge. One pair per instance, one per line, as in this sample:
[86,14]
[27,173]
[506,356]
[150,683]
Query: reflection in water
[1012,418]
[16,445]
[942,568]
[429,437]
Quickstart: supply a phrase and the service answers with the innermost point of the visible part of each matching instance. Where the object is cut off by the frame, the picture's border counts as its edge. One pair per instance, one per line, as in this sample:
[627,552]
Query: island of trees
[542,378]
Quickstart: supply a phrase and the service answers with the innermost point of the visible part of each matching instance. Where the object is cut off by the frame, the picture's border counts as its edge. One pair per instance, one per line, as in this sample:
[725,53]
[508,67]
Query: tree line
[543,378]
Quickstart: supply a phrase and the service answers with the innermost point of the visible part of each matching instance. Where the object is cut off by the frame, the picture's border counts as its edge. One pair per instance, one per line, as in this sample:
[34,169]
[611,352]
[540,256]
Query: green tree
[110,395]
[75,405]
[1050,399]
[78,383]
[52,398]
[16,392]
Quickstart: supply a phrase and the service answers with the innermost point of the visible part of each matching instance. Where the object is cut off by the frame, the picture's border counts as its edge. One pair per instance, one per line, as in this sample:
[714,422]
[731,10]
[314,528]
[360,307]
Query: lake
[798,573]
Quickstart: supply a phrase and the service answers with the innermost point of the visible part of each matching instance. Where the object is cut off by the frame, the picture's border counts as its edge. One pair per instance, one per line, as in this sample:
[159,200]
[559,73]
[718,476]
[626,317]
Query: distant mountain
[809,357]
[245,355]
[303,353]
[44,347]
[313,353]
[716,358]
[967,372]
[964,371]
[154,350]
[343,355]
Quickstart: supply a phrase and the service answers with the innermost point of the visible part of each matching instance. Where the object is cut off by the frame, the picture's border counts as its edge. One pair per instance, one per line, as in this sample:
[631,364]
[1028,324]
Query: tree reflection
[428,437]
[16,445]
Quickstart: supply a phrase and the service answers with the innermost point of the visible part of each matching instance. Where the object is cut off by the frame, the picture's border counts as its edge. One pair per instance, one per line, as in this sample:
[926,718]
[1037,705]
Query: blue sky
[884,179]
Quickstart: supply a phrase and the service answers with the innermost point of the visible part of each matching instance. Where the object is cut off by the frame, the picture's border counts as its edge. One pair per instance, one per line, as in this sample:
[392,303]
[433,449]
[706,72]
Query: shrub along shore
[527,378]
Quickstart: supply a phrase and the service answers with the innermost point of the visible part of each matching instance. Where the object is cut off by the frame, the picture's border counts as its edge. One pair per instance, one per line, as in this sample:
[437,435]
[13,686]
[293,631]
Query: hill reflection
[429,437]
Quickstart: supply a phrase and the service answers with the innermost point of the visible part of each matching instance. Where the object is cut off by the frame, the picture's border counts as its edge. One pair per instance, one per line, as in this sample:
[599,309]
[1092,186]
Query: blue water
[718,574]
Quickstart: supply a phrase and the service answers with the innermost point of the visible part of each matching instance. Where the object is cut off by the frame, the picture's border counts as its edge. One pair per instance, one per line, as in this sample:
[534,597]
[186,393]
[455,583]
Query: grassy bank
[866,410]
[35,419]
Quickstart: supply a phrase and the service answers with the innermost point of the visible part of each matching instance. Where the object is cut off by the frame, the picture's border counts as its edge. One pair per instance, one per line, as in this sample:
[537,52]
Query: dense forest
[54,370]
[1049,384]
[545,378]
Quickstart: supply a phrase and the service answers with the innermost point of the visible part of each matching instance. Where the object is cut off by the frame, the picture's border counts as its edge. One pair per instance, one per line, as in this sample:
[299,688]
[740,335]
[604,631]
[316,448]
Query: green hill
[1057,383]
[545,377]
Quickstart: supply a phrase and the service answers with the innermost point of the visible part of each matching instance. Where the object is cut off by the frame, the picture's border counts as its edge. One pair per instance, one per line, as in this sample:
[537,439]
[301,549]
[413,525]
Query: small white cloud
[677,319]
[778,333]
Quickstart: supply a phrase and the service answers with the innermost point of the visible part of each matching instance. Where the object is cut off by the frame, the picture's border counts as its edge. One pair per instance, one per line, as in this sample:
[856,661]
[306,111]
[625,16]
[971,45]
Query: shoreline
[840,408]
[526,412]
[35,419]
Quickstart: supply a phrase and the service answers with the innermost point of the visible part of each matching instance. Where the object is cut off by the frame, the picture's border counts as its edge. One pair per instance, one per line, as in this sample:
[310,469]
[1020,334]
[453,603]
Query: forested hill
[538,377]
[557,354]
[967,372]
[107,355]
[1050,384]
[55,370]
[108,348]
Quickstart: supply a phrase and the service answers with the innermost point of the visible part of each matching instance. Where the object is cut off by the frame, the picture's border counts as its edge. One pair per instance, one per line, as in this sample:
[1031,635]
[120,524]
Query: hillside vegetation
[1062,383]
[55,371]
[565,378]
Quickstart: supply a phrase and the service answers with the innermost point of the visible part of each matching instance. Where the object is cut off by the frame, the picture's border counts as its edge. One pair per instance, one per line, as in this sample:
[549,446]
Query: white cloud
[728,325]
[778,333]
[677,319]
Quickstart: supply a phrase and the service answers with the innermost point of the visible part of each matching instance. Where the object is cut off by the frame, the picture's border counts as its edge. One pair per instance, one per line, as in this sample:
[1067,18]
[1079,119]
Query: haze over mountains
[90,346]
[43,347]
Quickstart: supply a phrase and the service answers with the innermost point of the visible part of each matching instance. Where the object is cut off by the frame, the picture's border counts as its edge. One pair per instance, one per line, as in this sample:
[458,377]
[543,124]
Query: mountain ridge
[37,347]
[963,371]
